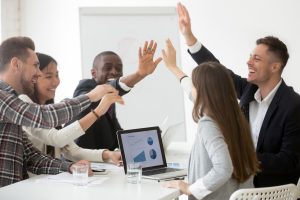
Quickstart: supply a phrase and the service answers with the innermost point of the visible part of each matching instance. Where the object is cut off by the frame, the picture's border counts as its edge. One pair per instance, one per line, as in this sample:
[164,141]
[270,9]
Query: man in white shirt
[272,107]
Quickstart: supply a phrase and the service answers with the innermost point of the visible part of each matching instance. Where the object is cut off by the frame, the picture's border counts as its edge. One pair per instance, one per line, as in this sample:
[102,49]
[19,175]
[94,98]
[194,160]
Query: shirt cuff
[65,166]
[198,189]
[124,86]
[78,128]
[195,47]
[186,85]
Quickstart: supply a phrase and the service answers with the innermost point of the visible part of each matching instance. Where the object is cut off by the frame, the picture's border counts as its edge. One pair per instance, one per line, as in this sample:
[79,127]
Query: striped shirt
[17,154]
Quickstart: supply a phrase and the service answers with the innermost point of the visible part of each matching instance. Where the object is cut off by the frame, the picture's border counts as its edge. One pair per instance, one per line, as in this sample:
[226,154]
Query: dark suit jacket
[102,134]
[278,147]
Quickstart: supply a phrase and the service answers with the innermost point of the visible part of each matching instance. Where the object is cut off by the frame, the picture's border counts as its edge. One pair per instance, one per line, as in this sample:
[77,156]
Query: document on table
[106,166]
[66,177]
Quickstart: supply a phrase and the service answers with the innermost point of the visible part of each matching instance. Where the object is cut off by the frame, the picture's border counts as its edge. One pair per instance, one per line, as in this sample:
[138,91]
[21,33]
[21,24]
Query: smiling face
[107,66]
[29,72]
[262,66]
[47,83]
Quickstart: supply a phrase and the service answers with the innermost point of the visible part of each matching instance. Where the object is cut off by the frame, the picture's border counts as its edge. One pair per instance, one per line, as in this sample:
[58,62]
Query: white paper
[66,177]
[106,166]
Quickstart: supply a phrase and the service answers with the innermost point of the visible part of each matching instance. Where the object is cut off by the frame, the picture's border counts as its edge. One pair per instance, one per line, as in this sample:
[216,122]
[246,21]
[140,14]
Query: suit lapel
[272,108]
[246,99]
[248,95]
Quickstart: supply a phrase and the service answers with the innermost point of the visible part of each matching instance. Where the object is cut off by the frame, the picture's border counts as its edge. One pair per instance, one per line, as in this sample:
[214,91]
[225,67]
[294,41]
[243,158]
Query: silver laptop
[144,146]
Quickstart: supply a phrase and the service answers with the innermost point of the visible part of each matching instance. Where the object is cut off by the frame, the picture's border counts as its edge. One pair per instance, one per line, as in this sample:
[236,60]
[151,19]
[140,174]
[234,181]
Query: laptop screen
[142,146]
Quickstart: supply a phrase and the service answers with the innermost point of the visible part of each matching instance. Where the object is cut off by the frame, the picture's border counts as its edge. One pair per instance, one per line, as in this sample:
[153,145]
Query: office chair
[282,192]
[298,189]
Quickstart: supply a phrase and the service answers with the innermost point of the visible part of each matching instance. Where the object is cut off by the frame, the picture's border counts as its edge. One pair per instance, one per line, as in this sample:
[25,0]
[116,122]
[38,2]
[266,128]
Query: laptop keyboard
[159,171]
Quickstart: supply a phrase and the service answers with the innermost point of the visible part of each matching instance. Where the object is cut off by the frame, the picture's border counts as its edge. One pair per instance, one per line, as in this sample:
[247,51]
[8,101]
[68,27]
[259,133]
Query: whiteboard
[123,30]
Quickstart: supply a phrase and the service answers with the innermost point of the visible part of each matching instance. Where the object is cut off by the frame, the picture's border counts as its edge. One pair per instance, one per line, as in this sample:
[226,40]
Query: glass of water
[134,173]
[80,173]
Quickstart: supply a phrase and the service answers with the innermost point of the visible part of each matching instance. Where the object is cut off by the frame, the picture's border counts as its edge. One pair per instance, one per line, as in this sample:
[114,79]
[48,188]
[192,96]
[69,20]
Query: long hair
[216,98]
[44,60]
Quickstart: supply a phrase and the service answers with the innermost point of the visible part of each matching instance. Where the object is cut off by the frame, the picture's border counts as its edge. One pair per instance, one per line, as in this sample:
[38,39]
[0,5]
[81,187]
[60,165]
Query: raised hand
[146,63]
[99,91]
[169,57]
[184,22]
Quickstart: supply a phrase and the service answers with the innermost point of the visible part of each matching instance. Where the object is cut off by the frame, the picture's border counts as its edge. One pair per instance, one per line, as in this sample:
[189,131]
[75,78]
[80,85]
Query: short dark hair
[104,53]
[15,47]
[277,47]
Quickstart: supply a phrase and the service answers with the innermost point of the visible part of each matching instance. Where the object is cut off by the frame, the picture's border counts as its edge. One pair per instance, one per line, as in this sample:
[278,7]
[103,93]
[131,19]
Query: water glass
[134,173]
[80,173]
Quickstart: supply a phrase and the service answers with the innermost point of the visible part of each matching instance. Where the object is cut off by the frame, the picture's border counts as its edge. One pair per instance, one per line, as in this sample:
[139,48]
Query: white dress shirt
[257,111]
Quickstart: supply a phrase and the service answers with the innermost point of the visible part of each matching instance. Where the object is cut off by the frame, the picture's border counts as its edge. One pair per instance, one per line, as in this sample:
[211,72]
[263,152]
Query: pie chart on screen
[150,140]
[153,154]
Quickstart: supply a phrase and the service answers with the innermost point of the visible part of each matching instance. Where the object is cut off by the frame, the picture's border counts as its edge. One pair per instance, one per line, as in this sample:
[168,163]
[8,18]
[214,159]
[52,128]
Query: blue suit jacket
[278,147]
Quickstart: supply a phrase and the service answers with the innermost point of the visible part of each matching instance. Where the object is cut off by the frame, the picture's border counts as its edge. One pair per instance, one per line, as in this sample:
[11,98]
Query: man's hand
[107,101]
[184,23]
[99,91]
[146,63]
[85,162]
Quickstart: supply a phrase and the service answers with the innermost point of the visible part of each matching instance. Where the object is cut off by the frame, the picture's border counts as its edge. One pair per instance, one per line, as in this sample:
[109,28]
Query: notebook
[144,146]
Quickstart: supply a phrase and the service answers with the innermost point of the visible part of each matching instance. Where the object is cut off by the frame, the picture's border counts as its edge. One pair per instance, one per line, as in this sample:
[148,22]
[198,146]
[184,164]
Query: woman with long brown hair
[223,156]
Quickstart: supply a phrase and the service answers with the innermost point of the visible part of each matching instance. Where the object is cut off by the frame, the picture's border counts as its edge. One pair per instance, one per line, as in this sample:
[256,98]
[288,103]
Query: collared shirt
[257,108]
[124,86]
[195,47]
[257,111]
[17,155]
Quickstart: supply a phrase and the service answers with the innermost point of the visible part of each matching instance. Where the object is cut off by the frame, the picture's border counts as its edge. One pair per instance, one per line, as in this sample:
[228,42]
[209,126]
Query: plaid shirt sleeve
[15,111]
[39,163]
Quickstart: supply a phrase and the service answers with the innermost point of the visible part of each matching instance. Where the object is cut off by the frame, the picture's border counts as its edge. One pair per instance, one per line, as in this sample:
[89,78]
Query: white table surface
[113,187]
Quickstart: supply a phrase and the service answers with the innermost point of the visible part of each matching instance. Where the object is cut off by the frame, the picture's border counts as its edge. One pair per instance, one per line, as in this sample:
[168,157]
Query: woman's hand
[112,156]
[181,185]
[169,58]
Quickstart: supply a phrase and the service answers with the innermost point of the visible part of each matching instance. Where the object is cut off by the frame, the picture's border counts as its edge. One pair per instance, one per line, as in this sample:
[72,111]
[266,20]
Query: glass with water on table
[80,173]
[134,173]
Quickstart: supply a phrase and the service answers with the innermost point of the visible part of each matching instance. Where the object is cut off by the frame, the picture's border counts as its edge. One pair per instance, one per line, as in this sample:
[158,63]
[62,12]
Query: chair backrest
[298,189]
[282,192]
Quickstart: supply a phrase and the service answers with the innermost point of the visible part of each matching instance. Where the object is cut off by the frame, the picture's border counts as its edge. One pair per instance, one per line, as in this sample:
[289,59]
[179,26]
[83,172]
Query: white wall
[228,28]
[148,103]
[10,18]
